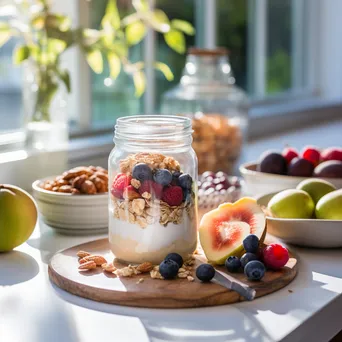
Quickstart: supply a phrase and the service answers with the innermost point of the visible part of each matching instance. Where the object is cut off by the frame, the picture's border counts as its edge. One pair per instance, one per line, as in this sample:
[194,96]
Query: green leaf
[95,61]
[114,65]
[90,36]
[65,78]
[38,22]
[59,21]
[21,53]
[140,5]
[183,26]
[139,83]
[159,21]
[135,32]
[111,17]
[120,48]
[56,46]
[165,70]
[5,33]
[175,40]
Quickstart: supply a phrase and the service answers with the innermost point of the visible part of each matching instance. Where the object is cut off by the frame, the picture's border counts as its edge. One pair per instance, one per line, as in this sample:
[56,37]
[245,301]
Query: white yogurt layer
[131,243]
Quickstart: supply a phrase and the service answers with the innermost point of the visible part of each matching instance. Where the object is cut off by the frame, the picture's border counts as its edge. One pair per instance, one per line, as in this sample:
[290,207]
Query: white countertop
[33,310]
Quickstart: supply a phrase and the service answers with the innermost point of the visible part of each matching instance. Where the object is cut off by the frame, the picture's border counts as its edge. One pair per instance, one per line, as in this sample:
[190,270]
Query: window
[277,49]
[10,90]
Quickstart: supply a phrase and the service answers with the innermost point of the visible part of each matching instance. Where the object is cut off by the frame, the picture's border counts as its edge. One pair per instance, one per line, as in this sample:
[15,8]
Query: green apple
[18,216]
[292,203]
[316,188]
[329,207]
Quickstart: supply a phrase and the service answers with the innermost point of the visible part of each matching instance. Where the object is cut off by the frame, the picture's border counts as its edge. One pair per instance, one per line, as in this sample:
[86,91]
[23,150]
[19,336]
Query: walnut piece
[88,187]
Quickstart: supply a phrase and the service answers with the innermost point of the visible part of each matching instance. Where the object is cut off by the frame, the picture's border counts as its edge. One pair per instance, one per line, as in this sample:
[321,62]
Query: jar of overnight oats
[153,189]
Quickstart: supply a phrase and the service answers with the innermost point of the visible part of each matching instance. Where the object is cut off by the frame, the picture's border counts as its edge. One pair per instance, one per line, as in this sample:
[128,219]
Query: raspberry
[173,195]
[275,256]
[151,187]
[120,182]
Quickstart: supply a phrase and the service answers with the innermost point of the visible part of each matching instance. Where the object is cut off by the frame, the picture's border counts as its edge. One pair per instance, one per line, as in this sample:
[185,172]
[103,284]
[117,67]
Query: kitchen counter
[34,310]
[309,309]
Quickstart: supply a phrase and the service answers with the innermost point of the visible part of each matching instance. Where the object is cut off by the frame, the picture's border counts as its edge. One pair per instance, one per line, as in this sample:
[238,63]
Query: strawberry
[120,182]
[173,195]
[151,187]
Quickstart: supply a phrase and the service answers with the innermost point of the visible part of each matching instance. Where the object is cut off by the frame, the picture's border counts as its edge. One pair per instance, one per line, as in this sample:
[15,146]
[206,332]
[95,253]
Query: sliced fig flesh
[222,230]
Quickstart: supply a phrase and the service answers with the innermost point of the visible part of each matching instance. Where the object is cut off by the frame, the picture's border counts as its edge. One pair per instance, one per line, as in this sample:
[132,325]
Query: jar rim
[151,128]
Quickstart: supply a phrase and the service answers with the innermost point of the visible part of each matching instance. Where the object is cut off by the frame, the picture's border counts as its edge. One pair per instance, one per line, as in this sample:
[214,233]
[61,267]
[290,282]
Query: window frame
[316,74]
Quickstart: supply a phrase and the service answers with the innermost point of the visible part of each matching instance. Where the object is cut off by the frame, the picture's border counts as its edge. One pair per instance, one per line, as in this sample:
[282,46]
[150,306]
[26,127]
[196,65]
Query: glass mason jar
[218,108]
[153,189]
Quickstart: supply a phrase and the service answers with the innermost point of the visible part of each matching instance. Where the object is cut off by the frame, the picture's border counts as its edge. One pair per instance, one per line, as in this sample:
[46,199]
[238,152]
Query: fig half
[223,230]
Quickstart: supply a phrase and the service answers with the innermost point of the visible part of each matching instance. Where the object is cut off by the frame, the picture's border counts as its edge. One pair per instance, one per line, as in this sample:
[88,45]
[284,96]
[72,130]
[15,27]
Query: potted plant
[47,35]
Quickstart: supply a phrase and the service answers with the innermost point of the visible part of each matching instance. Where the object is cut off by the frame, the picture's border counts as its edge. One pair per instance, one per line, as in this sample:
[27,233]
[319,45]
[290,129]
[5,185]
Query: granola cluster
[151,188]
[144,212]
[87,180]
[89,261]
[153,160]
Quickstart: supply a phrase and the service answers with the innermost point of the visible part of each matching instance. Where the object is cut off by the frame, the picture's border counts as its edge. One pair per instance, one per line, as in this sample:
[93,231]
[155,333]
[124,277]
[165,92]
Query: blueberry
[246,258]
[175,177]
[176,258]
[187,196]
[142,172]
[176,174]
[168,269]
[205,272]
[251,243]
[162,176]
[255,270]
[233,264]
[185,181]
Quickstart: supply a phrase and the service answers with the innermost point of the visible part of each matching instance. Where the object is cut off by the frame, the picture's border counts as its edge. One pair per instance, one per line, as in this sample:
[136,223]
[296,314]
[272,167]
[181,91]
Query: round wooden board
[152,293]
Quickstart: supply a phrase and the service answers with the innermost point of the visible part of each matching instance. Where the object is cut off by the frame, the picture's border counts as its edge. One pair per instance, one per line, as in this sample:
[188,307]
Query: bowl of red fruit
[216,188]
[277,171]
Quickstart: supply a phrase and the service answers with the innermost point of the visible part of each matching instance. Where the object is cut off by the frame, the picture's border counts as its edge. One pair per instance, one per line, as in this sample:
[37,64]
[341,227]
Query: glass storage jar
[218,108]
[153,189]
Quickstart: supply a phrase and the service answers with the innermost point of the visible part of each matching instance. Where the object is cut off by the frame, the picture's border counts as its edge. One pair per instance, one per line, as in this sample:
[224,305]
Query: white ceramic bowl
[261,183]
[72,213]
[304,232]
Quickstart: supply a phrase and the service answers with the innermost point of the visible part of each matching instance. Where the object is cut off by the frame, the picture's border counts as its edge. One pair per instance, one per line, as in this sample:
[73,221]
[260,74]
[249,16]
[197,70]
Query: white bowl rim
[36,187]
[245,169]
[292,219]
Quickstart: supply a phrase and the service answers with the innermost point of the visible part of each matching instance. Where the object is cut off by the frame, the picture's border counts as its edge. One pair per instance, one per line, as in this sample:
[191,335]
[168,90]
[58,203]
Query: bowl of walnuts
[76,201]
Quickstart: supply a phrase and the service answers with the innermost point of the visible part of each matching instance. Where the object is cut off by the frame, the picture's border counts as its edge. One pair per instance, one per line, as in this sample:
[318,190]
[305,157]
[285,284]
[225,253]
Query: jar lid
[219,51]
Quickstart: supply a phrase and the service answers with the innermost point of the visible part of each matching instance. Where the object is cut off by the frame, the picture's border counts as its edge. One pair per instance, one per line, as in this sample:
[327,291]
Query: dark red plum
[300,167]
[329,169]
[272,162]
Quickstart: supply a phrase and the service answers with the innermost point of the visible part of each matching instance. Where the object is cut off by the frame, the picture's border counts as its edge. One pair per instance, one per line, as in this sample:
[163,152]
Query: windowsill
[267,123]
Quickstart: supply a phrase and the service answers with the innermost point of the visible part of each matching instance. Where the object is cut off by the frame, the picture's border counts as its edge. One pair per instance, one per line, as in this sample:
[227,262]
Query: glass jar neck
[207,69]
[153,132]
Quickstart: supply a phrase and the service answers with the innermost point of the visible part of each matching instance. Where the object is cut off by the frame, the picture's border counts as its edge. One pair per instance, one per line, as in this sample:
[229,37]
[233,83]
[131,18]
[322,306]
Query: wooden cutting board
[152,293]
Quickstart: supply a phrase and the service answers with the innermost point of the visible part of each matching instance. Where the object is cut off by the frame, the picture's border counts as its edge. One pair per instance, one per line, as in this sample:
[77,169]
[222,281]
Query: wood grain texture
[152,293]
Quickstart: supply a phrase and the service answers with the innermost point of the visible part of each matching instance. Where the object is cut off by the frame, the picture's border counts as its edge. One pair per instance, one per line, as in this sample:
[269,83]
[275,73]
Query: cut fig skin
[223,230]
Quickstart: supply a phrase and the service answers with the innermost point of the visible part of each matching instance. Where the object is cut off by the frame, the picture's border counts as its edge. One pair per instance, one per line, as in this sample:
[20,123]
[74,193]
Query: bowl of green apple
[309,215]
